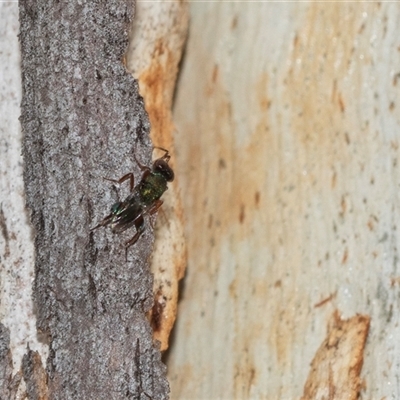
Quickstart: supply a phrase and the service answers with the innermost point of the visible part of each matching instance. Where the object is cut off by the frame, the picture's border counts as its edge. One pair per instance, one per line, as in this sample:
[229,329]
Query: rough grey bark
[83,120]
[34,376]
[8,383]
[5,361]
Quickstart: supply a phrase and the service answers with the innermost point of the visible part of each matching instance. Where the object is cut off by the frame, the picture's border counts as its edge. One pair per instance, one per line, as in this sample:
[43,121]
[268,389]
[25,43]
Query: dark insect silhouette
[144,198]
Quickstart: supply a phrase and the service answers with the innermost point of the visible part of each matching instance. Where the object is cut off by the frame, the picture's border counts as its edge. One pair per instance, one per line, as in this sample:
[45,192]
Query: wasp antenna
[166,156]
[161,148]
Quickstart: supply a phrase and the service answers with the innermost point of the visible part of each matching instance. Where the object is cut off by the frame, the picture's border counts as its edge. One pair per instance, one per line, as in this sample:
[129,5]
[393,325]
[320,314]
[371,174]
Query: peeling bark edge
[336,367]
[82,120]
[155,50]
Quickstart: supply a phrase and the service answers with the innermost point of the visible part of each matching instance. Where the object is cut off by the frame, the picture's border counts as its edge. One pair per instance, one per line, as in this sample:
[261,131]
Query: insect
[144,198]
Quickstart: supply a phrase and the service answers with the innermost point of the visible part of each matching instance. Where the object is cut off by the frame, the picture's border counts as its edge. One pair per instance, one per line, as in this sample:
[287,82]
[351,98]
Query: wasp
[144,198]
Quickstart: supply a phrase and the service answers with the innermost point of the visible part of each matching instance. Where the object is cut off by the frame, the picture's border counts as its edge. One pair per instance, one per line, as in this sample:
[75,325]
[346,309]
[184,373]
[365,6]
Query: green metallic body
[143,200]
[152,188]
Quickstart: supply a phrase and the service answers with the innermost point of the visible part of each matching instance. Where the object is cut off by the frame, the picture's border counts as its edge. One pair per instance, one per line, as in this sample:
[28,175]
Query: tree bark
[83,120]
[8,383]
[288,156]
[155,49]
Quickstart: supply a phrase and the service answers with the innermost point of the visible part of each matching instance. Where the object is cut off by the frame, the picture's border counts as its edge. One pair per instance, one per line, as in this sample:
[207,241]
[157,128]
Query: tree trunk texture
[83,120]
[288,158]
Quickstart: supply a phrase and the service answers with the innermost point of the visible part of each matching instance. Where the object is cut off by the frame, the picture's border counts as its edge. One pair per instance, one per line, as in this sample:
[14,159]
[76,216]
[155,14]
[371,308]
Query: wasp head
[161,167]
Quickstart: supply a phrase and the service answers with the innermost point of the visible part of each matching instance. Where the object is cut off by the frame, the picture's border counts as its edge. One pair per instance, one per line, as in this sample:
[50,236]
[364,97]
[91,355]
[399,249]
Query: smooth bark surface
[83,120]
[288,151]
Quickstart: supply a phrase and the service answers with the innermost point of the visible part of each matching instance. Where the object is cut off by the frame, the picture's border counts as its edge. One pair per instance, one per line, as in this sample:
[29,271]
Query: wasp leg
[139,225]
[123,179]
[153,209]
[104,222]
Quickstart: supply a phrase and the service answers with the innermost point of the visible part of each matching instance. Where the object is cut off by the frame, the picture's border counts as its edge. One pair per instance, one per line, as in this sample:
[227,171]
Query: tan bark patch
[335,369]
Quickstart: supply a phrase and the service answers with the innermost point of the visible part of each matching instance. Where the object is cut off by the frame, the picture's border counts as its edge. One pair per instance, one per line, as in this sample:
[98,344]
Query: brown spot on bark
[334,176]
[395,79]
[341,104]
[215,73]
[234,22]
[345,256]
[4,231]
[295,41]
[210,221]
[343,206]
[242,214]
[327,300]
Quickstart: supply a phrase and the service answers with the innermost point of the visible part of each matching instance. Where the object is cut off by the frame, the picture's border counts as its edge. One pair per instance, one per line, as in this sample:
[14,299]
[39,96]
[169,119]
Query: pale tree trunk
[288,143]
[16,245]
[286,155]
